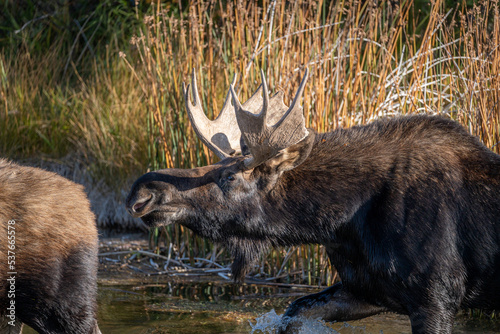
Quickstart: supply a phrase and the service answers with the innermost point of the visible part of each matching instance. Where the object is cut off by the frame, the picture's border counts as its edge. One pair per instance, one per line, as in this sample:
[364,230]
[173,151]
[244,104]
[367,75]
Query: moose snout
[137,204]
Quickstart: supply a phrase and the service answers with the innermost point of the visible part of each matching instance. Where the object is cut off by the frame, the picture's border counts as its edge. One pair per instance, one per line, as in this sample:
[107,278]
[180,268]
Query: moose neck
[309,203]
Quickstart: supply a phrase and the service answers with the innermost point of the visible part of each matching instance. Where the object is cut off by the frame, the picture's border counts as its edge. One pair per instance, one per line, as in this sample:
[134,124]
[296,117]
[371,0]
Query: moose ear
[292,156]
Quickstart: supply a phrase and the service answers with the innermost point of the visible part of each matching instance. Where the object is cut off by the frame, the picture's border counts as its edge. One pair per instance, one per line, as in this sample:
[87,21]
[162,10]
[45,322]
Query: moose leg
[332,304]
[430,320]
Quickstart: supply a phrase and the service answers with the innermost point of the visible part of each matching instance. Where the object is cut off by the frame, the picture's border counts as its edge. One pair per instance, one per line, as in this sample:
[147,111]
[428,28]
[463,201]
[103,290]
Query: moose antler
[221,135]
[266,124]
[275,128]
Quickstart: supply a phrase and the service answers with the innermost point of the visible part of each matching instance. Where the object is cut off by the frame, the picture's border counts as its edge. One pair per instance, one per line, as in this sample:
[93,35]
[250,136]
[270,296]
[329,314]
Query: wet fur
[56,250]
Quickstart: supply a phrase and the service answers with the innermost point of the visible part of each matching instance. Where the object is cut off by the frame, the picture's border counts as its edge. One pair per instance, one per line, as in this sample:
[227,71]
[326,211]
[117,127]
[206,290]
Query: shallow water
[178,308]
[384,323]
[220,307]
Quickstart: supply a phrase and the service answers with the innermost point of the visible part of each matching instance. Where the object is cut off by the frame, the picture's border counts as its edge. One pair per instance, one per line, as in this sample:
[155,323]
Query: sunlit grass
[65,95]
[99,122]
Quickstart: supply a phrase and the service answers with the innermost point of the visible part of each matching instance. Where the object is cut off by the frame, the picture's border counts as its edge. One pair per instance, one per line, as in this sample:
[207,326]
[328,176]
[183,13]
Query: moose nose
[136,207]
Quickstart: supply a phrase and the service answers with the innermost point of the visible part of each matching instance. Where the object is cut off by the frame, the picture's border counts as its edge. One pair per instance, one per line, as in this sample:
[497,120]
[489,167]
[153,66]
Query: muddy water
[385,323]
[132,306]
[208,305]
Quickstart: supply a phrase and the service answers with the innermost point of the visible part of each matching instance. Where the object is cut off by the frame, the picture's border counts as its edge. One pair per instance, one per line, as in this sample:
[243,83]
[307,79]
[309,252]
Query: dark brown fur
[407,208]
[55,250]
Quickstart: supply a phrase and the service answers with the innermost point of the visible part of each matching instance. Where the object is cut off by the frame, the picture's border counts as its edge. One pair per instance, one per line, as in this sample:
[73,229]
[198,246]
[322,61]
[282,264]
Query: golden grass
[98,121]
[90,128]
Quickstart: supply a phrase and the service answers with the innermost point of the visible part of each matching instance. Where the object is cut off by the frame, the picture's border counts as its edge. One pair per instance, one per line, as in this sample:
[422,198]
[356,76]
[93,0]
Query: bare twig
[33,21]
[250,62]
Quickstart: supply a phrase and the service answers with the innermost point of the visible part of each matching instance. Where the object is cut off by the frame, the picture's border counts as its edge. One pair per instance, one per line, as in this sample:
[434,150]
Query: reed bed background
[117,108]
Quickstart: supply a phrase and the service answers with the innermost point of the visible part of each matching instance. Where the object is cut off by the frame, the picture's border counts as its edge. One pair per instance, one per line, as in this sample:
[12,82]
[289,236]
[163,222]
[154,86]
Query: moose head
[239,201]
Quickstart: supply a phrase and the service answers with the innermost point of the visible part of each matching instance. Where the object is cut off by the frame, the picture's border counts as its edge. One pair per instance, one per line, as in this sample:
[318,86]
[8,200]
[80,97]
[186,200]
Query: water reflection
[186,307]
[219,307]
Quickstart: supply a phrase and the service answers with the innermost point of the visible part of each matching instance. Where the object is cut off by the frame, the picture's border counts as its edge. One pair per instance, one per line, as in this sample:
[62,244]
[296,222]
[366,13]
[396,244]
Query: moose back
[408,208]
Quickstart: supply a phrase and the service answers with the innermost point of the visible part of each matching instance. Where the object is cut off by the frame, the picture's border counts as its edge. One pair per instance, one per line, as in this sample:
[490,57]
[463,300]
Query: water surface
[132,306]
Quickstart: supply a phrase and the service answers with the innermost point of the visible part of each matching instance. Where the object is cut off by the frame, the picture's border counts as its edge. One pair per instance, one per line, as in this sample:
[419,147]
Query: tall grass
[67,102]
[367,60]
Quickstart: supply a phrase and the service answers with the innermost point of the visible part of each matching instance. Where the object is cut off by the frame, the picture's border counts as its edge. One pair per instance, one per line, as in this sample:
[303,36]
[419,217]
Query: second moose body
[48,253]
[408,208]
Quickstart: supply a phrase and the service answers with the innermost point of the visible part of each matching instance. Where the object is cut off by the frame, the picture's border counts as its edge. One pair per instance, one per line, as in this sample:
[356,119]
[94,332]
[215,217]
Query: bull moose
[48,253]
[407,208]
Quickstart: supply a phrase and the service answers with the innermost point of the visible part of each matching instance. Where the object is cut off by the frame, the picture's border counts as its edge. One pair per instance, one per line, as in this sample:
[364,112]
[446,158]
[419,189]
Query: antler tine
[236,102]
[297,97]
[196,96]
[263,140]
[222,135]
[265,102]
[295,112]
[227,107]
[195,112]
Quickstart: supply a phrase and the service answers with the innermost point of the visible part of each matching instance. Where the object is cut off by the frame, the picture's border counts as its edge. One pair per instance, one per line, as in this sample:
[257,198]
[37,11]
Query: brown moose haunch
[408,209]
[48,253]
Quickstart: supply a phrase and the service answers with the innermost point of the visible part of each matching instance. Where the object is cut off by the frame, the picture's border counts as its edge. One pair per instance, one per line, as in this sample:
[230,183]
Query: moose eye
[230,177]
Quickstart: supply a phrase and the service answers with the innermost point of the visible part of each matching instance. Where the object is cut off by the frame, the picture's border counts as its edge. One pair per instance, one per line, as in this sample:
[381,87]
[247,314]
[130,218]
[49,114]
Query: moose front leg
[332,304]
[437,318]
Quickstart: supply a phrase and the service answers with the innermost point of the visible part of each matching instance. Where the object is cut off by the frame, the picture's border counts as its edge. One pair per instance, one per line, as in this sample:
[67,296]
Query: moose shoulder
[407,208]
